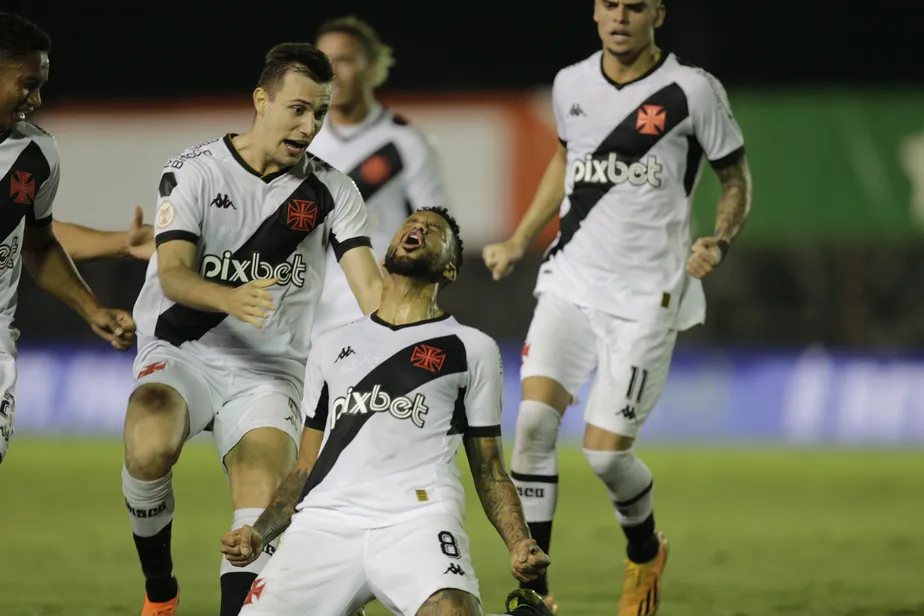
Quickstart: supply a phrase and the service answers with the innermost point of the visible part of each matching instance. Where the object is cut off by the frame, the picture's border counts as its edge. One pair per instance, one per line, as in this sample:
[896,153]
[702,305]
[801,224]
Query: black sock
[157,565]
[642,545]
[542,533]
[234,589]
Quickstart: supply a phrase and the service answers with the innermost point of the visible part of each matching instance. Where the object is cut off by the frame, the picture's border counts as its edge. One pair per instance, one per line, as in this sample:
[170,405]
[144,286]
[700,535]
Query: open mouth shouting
[412,240]
[295,147]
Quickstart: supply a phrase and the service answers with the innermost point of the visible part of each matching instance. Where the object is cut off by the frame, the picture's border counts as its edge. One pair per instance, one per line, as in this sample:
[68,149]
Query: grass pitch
[753,532]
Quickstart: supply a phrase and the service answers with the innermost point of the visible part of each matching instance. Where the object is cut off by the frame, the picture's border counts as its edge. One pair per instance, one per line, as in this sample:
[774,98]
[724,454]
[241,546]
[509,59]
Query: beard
[424,268]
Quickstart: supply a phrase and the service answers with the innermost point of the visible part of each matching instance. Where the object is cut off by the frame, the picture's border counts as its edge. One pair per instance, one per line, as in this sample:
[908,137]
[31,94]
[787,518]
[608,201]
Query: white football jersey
[246,227]
[634,159]
[397,172]
[395,403]
[30,167]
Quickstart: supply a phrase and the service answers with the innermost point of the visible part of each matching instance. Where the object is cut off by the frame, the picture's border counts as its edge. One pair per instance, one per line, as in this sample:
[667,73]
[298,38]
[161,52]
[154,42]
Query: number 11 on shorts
[639,376]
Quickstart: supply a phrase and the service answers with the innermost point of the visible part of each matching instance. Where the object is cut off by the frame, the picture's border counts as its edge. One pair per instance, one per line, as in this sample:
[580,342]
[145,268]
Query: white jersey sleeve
[713,121]
[426,186]
[315,399]
[350,224]
[484,395]
[558,105]
[181,201]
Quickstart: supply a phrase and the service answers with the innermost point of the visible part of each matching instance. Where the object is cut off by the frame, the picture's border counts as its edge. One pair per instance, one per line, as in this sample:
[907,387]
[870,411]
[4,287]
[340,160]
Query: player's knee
[609,465]
[155,427]
[546,390]
[537,427]
[450,601]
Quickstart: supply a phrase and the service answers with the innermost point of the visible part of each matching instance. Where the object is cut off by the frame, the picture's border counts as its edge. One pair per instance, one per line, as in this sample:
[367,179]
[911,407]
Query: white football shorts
[229,401]
[567,343]
[327,568]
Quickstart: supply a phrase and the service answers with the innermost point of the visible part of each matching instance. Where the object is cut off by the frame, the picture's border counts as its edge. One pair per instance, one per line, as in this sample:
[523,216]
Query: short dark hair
[303,58]
[378,53]
[19,36]
[459,247]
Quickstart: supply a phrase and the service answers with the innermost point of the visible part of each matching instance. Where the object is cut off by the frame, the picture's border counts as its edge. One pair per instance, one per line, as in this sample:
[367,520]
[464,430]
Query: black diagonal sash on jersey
[630,146]
[377,169]
[20,186]
[397,376]
[275,240]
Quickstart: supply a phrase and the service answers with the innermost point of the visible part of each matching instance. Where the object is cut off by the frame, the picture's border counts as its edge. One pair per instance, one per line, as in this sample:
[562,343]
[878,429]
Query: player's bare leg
[534,464]
[156,425]
[451,602]
[630,485]
[454,602]
[256,466]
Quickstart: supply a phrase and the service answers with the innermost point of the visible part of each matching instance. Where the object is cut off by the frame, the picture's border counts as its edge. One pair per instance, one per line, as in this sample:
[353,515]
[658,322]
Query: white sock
[534,463]
[150,503]
[629,482]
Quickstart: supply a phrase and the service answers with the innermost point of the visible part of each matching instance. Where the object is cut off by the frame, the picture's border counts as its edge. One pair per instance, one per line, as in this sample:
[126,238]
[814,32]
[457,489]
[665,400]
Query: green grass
[754,533]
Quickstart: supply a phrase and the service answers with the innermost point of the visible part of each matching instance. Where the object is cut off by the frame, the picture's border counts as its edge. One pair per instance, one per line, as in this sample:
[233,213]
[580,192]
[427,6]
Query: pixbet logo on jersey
[378,401]
[611,170]
[229,269]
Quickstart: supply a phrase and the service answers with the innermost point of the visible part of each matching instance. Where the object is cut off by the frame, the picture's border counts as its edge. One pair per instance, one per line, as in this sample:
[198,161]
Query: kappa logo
[344,353]
[378,401]
[22,187]
[651,120]
[223,202]
[428,357]
[628,412]
[455,569]
[302,215]
[576,111]
[229,269]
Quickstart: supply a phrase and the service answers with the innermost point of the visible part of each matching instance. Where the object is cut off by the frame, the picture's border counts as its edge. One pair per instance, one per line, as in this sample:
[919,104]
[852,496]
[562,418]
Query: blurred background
[814,322]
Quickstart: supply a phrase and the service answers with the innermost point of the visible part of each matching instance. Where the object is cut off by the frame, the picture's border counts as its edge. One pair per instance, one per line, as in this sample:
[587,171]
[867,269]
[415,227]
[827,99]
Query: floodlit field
[753,532]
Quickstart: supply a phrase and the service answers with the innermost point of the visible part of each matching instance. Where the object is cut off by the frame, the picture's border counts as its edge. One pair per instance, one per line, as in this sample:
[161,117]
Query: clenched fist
[705,255]
[500,258]
[242,546]
[527,560]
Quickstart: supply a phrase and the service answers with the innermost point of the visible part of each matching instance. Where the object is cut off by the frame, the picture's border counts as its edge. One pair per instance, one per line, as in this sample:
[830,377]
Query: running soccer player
[30,171]
[621,279]
[394,166]
[243,226]
[389,400]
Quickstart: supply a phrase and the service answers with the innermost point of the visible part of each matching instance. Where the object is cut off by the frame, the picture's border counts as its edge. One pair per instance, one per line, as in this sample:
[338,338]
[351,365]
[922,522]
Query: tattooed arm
[735,204]
[242,546]
[502,505]
[496,491]
[734,207]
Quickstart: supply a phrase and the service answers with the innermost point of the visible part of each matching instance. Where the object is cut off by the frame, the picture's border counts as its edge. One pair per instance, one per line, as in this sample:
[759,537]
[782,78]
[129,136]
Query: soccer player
[393,164]
[621,279]
[225,314]
[29,182]
[389,400]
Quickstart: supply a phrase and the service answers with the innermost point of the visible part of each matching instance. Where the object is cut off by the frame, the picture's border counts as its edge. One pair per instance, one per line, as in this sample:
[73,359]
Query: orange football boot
[168,608]
[641,589]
